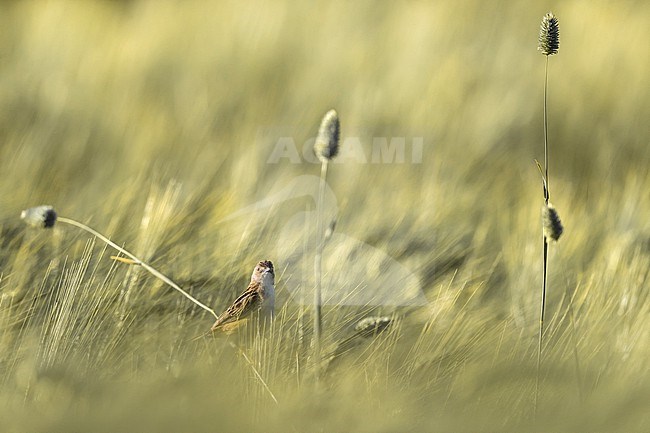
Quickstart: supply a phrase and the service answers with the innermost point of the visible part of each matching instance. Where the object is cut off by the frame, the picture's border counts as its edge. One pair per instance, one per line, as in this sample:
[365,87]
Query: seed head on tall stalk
[549,44]
[326,148]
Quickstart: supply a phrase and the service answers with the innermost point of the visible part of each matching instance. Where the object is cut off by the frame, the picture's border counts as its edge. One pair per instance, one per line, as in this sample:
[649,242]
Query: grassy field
[159,124]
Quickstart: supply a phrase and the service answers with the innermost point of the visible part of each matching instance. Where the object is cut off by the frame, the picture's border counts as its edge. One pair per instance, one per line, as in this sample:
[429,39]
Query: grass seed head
[40,216]
[549,35]
[552,225]
[327,142]
[372,325]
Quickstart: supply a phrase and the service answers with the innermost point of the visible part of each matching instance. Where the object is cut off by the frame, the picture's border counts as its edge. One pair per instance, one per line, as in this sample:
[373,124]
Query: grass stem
[137,261]
[318,269]
[544,245]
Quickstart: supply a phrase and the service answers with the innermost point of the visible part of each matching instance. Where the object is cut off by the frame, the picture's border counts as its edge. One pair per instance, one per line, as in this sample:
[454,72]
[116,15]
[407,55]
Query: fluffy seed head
[330,230]
[327,142]
[39,216]
[549,35]
[372,325]
[552,225]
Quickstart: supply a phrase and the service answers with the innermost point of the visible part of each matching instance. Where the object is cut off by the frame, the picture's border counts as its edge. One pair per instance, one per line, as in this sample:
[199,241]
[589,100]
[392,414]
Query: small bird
[259,297]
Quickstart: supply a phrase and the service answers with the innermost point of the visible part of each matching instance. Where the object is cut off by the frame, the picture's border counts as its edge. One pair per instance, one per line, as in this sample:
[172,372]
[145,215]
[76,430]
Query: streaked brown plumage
[259,297]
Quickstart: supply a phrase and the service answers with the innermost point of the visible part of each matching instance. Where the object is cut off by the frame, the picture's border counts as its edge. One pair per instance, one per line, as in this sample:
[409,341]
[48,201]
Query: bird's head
[263,269]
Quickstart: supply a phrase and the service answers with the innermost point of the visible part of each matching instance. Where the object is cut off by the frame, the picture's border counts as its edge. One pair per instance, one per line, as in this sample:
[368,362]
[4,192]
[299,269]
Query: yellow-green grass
[153,122]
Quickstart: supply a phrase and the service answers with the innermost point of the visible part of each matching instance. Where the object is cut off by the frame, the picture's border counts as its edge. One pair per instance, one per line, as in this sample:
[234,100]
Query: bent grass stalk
[44,216]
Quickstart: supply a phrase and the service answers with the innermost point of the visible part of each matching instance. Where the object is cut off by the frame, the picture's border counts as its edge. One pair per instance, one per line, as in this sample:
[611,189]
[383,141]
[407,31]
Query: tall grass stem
[318,268]
[549,44]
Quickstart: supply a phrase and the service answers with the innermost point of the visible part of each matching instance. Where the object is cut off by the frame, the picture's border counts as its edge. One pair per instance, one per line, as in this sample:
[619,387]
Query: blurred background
[156,123]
